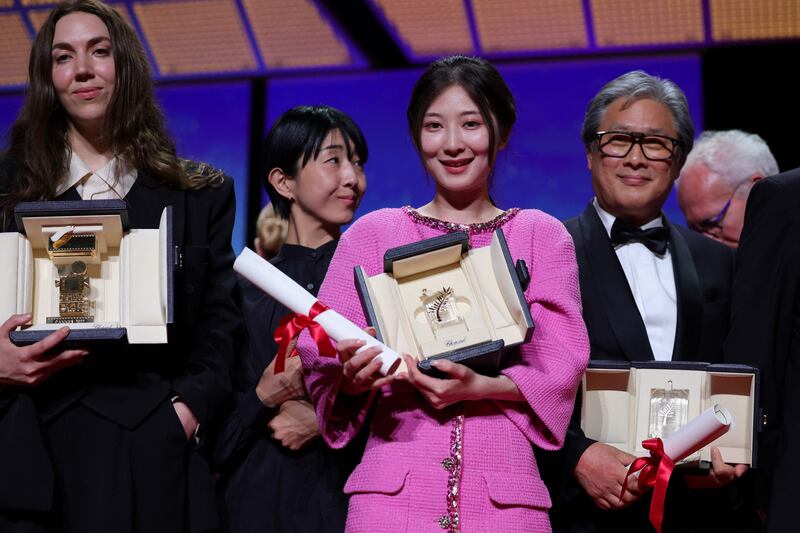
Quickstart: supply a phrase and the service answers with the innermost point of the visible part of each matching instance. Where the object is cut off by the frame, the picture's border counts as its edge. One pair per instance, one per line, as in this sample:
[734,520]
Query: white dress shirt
[112,182]
[652,281]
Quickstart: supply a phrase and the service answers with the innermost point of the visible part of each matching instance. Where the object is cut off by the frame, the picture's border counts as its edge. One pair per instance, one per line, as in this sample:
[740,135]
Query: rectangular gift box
[439,298]
[626,403]
[125,274]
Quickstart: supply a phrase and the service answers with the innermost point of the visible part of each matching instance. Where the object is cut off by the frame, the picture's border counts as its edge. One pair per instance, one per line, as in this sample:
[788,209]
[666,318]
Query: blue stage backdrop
[544,166]
[211,123]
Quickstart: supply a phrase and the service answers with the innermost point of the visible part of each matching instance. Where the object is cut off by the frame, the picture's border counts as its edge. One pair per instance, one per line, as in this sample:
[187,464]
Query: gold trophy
[74,305]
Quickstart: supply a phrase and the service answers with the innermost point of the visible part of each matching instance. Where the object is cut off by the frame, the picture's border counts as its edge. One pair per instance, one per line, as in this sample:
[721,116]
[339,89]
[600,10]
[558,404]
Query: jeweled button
[444,522]
[448,464]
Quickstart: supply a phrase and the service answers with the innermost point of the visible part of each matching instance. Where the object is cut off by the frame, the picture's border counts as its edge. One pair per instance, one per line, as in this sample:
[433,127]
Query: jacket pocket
[367,479]
[510,492]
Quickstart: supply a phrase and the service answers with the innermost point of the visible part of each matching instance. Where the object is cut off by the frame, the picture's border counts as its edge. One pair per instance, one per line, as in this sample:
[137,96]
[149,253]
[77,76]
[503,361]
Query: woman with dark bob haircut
[277,475]
[454,454]
[107,439]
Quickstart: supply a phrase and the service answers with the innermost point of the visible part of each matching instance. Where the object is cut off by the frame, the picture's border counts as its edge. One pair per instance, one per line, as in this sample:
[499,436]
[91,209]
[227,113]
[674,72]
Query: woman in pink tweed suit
[454,454]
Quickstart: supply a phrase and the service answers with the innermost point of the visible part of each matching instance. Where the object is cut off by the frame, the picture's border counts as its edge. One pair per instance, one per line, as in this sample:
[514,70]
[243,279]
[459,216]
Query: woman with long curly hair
[96,438]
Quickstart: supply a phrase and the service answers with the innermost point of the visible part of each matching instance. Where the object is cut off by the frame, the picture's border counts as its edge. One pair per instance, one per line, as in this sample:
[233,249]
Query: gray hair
[639,85]
[734,155]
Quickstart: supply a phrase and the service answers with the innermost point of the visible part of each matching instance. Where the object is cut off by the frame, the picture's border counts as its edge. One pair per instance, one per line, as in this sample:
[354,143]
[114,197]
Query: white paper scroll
[699,432]
[284,289]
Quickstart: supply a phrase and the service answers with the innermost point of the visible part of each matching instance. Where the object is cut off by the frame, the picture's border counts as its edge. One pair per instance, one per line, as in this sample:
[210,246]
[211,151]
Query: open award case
[77,263]
[626,403]
[439,298]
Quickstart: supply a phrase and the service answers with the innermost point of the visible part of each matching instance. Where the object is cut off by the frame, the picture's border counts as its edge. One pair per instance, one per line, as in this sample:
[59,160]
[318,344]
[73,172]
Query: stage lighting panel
[428,28]
[636,23]
[523,25]
[293,33]
[15,46]
[38,16]
[196,36]
[736,20]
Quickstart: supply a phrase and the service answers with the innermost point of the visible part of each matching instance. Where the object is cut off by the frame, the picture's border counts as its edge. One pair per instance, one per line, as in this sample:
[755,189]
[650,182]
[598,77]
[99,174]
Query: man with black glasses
[716,180]
[651,290]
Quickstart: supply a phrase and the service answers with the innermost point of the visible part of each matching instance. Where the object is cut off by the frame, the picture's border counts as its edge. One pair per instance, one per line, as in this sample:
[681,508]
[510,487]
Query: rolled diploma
[700,431]
[285,290]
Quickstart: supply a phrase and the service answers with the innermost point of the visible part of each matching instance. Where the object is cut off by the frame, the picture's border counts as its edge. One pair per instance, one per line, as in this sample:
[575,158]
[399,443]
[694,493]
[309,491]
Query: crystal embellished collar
[449,227]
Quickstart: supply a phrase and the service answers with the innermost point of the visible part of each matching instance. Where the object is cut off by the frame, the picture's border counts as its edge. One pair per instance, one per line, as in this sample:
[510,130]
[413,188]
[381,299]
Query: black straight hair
[297,137]
[484,85]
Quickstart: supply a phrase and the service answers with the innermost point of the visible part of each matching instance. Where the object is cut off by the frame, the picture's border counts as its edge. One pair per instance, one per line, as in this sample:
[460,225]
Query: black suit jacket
[126,384]
[703,274]
[765,332]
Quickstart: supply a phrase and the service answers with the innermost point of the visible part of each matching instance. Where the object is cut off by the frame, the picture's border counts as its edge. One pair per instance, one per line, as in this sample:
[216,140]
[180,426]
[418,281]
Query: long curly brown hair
[39,149]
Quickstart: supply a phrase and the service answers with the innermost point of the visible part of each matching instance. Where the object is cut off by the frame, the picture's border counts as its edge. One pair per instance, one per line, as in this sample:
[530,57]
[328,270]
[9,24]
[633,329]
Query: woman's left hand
[462,384]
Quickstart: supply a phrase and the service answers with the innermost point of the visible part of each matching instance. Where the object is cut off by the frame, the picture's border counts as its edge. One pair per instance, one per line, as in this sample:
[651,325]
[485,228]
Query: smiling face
[328,189]
[83,68]
[454,143]
[633,187]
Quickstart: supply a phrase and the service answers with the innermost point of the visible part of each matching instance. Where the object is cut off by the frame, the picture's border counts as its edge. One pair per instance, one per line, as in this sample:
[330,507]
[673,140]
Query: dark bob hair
[484,85]
[297,137]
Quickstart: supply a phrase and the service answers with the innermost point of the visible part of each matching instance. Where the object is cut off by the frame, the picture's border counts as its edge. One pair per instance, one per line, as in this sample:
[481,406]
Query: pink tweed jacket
[469,467]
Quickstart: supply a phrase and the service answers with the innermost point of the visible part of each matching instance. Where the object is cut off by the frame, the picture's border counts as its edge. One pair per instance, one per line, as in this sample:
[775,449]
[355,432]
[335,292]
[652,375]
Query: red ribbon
[290,327]
[656,471]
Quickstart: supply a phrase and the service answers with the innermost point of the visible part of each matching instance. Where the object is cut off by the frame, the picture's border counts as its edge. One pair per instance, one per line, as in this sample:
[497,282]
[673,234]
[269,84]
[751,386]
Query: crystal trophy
[669,411]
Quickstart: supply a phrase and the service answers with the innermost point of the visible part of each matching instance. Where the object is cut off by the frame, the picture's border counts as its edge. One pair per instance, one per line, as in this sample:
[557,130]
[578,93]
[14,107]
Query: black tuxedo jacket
[126,384]
[703,276]
[765,332]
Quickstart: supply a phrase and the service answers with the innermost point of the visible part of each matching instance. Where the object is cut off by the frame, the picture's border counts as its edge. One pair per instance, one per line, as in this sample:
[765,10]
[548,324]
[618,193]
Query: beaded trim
[449,227]
[453,466]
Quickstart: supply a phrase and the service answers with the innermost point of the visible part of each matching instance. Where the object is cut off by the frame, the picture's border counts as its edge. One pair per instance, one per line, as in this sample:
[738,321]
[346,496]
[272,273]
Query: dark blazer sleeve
[247,415]
[211,322]
[764,317]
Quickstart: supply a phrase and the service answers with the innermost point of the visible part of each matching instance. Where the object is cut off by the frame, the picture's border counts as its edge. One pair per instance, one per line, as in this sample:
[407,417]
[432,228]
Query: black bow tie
[655,239]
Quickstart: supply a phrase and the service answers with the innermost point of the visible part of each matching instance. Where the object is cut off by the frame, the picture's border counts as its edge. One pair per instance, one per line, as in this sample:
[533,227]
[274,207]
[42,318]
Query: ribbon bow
[656,239]
[656,471]
[290,327]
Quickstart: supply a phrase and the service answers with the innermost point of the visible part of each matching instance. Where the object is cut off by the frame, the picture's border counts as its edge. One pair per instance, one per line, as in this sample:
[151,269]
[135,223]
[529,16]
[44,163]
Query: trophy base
[69,319]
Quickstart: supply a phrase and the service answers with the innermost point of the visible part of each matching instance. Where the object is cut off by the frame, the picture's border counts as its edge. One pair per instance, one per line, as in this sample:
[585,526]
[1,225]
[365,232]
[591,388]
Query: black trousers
[109,478]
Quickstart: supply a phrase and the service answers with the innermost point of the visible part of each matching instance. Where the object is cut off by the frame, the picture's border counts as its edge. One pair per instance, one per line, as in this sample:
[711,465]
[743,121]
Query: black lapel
[690,304]
[612,286]
[147,199]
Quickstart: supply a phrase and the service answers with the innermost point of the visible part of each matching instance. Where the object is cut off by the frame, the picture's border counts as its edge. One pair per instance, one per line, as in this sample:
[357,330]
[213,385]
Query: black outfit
[98,447]
[265,487]
[765,332]
[703,270]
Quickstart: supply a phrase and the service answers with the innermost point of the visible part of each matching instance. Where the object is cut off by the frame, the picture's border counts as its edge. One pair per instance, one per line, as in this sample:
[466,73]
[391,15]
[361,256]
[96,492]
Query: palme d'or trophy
[441,310]
[69,252]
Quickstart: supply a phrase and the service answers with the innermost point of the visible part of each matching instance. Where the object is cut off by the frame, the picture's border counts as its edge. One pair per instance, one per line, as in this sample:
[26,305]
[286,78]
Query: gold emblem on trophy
[74,305]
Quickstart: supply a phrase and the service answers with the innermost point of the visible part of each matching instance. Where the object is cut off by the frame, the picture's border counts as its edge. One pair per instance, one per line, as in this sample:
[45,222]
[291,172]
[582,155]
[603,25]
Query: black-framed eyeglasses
[620,144]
